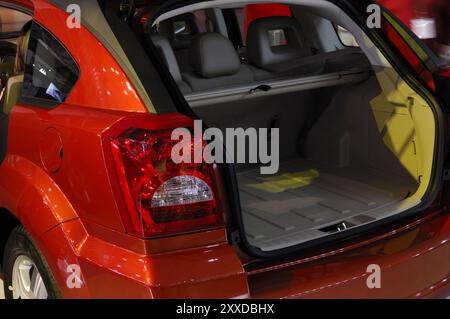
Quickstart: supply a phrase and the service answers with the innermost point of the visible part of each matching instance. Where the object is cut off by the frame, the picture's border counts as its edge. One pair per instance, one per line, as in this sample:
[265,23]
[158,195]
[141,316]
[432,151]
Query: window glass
[202,21]
[50,71]
[240,17]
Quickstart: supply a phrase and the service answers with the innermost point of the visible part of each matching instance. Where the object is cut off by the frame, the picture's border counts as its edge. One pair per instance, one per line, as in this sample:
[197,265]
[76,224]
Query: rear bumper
[414,263]
[110,271]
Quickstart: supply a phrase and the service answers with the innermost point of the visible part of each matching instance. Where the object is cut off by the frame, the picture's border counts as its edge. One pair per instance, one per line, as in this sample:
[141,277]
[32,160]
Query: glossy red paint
[70,208]
[414,262]
[51,150]
[102,83]
[110,271]
[28,4]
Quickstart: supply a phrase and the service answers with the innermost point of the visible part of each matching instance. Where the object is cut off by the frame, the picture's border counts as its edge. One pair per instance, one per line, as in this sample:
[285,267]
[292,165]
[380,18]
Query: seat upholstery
[213,55]
[7,67]
[216,63]
[12,92]
[281,58]
[166,51]
[180,42]
[14,84]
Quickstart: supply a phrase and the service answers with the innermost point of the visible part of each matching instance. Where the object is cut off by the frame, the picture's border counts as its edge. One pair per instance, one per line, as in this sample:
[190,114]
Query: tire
[21,248]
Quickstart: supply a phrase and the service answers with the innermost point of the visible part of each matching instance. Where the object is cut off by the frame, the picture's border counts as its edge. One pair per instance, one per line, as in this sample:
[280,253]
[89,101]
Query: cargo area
[348,157]
[356,143]
[306,200]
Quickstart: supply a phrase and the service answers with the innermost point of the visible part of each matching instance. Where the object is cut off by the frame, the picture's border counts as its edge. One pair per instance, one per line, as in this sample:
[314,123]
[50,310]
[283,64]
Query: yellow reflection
[281,183]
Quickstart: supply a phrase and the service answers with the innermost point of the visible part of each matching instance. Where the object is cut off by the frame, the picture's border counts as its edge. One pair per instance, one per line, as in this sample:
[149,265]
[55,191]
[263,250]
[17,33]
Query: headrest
[180,30]
[213,55]
[273,40]
[164,48]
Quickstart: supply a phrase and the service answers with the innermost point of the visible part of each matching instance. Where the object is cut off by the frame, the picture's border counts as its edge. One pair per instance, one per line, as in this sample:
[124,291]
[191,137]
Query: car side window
[50,71]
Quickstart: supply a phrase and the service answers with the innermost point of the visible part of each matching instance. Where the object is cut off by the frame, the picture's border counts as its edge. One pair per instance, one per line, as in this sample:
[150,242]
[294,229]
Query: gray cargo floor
[296,205]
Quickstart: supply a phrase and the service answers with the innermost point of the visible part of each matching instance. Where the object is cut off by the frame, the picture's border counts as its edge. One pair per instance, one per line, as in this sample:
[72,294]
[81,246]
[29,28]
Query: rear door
[427,56]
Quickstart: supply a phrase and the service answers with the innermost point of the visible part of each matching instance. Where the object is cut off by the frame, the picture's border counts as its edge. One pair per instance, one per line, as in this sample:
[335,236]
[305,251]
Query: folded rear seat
[216,64]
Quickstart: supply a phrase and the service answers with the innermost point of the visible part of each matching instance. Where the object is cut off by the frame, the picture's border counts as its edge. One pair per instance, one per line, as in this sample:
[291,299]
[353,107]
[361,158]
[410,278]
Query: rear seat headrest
[213,55]
[180,41]
[260,51]
[162,44]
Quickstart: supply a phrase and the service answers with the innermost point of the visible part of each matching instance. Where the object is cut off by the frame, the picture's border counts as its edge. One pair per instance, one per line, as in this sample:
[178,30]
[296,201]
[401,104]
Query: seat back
[12,92]
[167,54]
[7,67]
[216,64]
[180,31]
[14,84]
[274,42]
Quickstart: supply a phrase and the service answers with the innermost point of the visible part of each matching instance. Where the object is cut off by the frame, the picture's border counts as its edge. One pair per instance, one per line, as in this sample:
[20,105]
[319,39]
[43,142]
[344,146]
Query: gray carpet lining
[304,197]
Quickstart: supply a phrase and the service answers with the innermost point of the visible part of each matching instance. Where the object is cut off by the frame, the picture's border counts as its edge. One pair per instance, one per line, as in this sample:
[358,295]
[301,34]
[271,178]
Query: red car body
[69,208]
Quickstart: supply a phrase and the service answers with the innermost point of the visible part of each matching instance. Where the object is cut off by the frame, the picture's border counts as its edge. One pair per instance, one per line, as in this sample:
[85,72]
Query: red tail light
[161,197]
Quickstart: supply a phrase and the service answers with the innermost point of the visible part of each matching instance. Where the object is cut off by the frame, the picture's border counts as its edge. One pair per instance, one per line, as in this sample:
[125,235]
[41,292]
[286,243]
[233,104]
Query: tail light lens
[162,197]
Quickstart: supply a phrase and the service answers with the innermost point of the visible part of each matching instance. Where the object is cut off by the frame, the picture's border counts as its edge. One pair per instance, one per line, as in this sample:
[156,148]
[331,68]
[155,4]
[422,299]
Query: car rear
[173,230]
[359,145]
[288,264]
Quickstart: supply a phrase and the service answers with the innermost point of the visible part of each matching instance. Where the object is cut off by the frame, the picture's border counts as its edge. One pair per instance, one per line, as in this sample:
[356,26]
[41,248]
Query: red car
[93,204]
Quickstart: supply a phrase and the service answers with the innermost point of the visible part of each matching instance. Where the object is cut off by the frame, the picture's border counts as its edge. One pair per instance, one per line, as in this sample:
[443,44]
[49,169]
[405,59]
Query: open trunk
[348,157]
[356,142]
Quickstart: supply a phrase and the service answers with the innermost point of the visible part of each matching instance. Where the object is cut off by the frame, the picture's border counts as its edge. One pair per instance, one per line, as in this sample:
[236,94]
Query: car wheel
[26,274]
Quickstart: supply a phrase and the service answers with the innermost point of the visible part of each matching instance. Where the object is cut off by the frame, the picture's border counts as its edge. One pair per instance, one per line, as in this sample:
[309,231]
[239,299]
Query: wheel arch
[30,197]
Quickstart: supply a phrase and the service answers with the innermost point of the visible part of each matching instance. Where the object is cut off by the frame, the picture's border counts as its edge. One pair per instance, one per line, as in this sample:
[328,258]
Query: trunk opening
[357,143]
[359,139]
[348,157]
